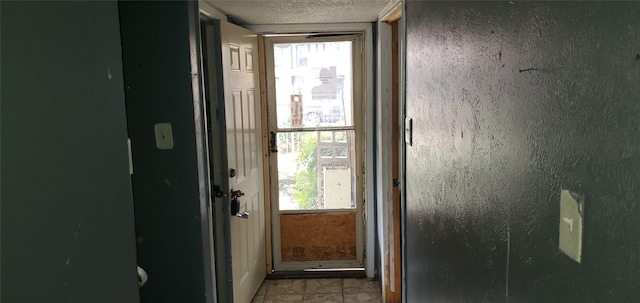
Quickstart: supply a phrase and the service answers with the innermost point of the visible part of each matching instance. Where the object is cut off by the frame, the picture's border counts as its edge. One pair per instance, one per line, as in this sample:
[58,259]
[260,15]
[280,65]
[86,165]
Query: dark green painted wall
[67,210]
[512,102]
[155,41]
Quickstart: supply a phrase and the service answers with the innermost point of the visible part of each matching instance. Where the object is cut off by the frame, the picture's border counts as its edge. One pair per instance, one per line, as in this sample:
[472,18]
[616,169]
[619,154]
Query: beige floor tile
[263,289]
[323,298]
[323,286]
[285,287]
[353,286]
[319,291]
[283,298]
[362,298]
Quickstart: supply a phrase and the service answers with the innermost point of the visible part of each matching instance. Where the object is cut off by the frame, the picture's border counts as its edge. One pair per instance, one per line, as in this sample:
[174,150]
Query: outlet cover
[164,135]
[571,223]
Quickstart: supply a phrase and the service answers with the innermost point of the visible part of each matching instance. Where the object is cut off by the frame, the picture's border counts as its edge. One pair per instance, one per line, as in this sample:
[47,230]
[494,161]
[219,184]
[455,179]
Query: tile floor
[319,291]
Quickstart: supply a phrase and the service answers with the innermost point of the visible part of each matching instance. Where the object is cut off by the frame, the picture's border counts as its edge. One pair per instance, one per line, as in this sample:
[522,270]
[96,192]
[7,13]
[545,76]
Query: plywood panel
[313,237]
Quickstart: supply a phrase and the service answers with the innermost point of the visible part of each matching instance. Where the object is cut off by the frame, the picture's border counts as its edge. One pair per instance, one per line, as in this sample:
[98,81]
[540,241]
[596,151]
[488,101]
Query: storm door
[316,151]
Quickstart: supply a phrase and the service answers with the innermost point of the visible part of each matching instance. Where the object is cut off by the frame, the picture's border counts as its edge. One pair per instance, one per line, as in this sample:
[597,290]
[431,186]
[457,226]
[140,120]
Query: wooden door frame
[203,152]
[390,149]
[395,291]
[264,106]
[219,211]
[369,117]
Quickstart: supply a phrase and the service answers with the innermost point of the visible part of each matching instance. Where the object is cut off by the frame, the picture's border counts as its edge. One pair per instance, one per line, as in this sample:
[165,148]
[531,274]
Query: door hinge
[396,182]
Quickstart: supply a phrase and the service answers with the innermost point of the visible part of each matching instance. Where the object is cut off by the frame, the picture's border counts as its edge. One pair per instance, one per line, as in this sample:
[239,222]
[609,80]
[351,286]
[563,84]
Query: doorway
[314,96]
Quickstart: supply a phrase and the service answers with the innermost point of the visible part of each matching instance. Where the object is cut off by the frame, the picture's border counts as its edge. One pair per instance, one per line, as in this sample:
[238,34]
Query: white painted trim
[306,28]
[297,265]
[370,120]
[210,11]
[384,159]
[389,9]
[370,126]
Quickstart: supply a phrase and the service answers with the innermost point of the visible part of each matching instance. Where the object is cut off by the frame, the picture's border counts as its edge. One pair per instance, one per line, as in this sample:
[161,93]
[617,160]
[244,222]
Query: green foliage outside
[305,190]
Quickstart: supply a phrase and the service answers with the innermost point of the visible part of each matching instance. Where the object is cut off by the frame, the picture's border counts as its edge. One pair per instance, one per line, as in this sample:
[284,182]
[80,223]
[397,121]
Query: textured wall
[157,71]
[513,102]
[67,211]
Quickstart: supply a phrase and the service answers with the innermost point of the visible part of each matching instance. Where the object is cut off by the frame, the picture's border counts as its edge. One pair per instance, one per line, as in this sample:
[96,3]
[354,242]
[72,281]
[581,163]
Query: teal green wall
[67,210]
[155,42]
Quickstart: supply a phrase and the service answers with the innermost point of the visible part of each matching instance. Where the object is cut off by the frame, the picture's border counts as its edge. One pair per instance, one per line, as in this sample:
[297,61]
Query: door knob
[232,173]
[217,192]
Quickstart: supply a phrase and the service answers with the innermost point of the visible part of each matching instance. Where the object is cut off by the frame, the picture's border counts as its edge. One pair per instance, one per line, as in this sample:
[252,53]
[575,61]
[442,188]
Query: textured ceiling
[300,11]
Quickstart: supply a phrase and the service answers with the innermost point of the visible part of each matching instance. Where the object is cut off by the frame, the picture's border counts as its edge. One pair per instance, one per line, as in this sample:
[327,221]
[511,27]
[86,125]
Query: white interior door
[241,89]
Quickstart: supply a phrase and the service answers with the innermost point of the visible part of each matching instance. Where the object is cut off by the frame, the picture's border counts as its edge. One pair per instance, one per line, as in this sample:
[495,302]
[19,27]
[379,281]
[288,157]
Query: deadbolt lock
[235,204]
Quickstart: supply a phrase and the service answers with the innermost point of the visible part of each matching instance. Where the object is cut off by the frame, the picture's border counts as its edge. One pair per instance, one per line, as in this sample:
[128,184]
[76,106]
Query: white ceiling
[300,11]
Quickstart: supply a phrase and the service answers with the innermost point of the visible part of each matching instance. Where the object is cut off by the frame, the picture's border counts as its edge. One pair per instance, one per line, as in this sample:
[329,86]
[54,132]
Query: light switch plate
[571,223]
[164,135]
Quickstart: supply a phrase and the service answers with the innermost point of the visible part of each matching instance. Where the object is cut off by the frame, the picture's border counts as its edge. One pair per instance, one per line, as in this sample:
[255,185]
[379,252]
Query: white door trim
[370,121]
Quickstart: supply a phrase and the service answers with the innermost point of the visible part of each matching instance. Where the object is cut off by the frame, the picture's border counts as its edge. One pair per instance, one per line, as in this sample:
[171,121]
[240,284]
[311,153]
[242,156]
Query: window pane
[326,136]
[316,174]
[313,84]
